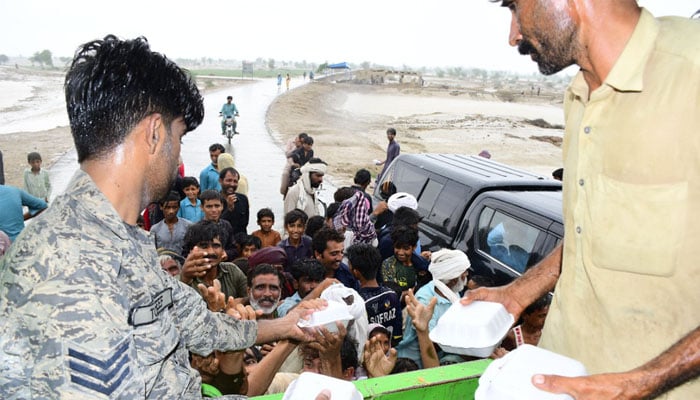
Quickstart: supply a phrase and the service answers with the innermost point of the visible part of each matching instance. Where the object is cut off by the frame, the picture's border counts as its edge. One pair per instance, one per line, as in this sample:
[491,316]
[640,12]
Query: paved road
[257,156]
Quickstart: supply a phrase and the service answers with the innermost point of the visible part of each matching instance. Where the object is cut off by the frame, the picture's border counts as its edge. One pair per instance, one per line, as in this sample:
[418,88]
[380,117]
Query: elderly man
[87,310]
[265,289]
[626,298]
[449,271]
[303,194]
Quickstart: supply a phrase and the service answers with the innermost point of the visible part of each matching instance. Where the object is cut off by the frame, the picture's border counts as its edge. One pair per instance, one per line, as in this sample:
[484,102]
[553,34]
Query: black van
[506,219]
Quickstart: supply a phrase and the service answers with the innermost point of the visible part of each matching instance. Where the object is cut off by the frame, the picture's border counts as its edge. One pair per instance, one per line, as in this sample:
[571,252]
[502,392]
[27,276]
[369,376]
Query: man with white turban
[449,270]
[303,194]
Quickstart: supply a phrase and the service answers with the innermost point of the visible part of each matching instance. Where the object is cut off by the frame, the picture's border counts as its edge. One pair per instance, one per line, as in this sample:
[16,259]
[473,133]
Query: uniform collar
[83,189]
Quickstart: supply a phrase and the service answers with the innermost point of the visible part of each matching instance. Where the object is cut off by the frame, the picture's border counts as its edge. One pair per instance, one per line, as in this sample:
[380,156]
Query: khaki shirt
[631,268]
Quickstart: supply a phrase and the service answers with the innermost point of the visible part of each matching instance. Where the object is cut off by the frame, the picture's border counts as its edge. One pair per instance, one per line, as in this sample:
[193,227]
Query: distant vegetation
[42,58]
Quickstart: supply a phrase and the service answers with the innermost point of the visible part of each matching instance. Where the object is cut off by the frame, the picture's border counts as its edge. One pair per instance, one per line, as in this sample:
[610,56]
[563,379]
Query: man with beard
[237,209]
[303,194]
[86,309]
[449,271]
[265,289]
[626,298]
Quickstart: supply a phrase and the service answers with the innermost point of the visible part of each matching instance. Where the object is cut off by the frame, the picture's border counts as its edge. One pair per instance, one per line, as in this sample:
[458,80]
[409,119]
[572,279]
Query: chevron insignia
[101,374]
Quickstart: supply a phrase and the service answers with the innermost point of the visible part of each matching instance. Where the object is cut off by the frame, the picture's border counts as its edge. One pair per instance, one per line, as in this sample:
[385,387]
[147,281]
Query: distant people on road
[289,79]
[279,82]
[36,180]
[303,194]
[393,150]
[228,110]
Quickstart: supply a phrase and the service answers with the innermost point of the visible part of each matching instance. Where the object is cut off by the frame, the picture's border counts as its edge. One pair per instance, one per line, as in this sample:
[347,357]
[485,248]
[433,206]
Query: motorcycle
[230,127]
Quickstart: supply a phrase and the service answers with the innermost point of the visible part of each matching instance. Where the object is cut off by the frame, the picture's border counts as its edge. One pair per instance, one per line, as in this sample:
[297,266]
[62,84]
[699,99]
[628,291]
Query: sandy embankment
[348,123]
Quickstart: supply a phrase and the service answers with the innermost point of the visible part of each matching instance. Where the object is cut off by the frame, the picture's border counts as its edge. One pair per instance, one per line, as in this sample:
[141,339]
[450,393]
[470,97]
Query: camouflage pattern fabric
[87,312]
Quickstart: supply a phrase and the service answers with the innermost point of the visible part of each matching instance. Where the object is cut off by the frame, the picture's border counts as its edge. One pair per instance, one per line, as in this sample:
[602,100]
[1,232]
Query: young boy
[170,232]
[405,268]
[212,206]
[382,304]
[268,236]
[296,245]
[36,180]
[191,207]
[207,237]
[246,245]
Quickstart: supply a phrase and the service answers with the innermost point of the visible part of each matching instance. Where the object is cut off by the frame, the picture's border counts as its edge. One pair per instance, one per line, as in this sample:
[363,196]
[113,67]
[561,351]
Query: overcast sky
[447,33]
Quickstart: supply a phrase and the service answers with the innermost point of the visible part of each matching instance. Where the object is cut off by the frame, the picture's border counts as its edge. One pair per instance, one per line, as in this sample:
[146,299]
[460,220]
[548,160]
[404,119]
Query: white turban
[447,264]
[356,305]
[313,167]
[401,199]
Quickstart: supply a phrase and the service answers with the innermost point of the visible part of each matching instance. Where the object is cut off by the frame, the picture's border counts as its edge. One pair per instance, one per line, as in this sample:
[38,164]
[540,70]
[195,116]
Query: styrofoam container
[474,330]
[335,311]
[309,384]
[510,377]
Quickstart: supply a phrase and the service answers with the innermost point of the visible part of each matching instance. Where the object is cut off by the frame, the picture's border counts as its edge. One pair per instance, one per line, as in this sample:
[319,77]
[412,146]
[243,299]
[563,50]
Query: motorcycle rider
[228,110]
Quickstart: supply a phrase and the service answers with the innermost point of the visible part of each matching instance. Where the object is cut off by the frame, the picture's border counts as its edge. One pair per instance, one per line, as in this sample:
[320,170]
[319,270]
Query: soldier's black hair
[113,84]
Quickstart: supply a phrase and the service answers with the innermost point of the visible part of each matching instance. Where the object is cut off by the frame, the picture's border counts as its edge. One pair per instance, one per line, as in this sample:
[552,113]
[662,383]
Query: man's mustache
[525,48]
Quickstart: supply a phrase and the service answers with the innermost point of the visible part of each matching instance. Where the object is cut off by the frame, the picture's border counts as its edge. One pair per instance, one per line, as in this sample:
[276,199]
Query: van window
[442,205]
[408,178]
[506,239]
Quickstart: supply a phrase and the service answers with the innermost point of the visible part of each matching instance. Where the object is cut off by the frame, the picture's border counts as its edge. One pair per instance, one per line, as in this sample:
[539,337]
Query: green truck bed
[451,382]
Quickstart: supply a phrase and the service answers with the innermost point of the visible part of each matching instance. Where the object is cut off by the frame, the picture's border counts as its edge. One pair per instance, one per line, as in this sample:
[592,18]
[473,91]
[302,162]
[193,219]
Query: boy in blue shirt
[190,207]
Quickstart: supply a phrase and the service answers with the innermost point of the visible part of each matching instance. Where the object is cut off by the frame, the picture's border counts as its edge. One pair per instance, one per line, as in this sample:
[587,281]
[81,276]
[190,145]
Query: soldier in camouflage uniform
[86,310]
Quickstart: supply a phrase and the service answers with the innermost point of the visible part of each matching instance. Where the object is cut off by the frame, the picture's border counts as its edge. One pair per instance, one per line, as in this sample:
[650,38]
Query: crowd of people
[368,252]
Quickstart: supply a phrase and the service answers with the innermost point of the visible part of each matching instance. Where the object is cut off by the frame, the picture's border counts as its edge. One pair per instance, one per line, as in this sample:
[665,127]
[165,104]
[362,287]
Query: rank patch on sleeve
[102,373]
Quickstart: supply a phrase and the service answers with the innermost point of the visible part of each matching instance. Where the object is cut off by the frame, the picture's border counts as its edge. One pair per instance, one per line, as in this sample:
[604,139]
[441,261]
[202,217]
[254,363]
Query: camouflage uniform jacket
[87,312]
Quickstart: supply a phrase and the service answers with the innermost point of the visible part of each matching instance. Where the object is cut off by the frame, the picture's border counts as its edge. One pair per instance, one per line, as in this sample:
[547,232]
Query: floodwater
[258,157]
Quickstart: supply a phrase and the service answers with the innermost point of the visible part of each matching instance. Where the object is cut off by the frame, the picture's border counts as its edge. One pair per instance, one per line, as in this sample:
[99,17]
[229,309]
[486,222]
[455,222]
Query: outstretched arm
[520,293]
[677,365]
[421,315]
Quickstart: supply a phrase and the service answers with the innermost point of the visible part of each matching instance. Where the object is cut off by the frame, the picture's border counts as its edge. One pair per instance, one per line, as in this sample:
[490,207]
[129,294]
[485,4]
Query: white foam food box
[510,377]
[475,329]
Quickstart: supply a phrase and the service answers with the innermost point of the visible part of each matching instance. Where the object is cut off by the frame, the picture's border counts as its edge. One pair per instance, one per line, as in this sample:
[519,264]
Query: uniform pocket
[637,228]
